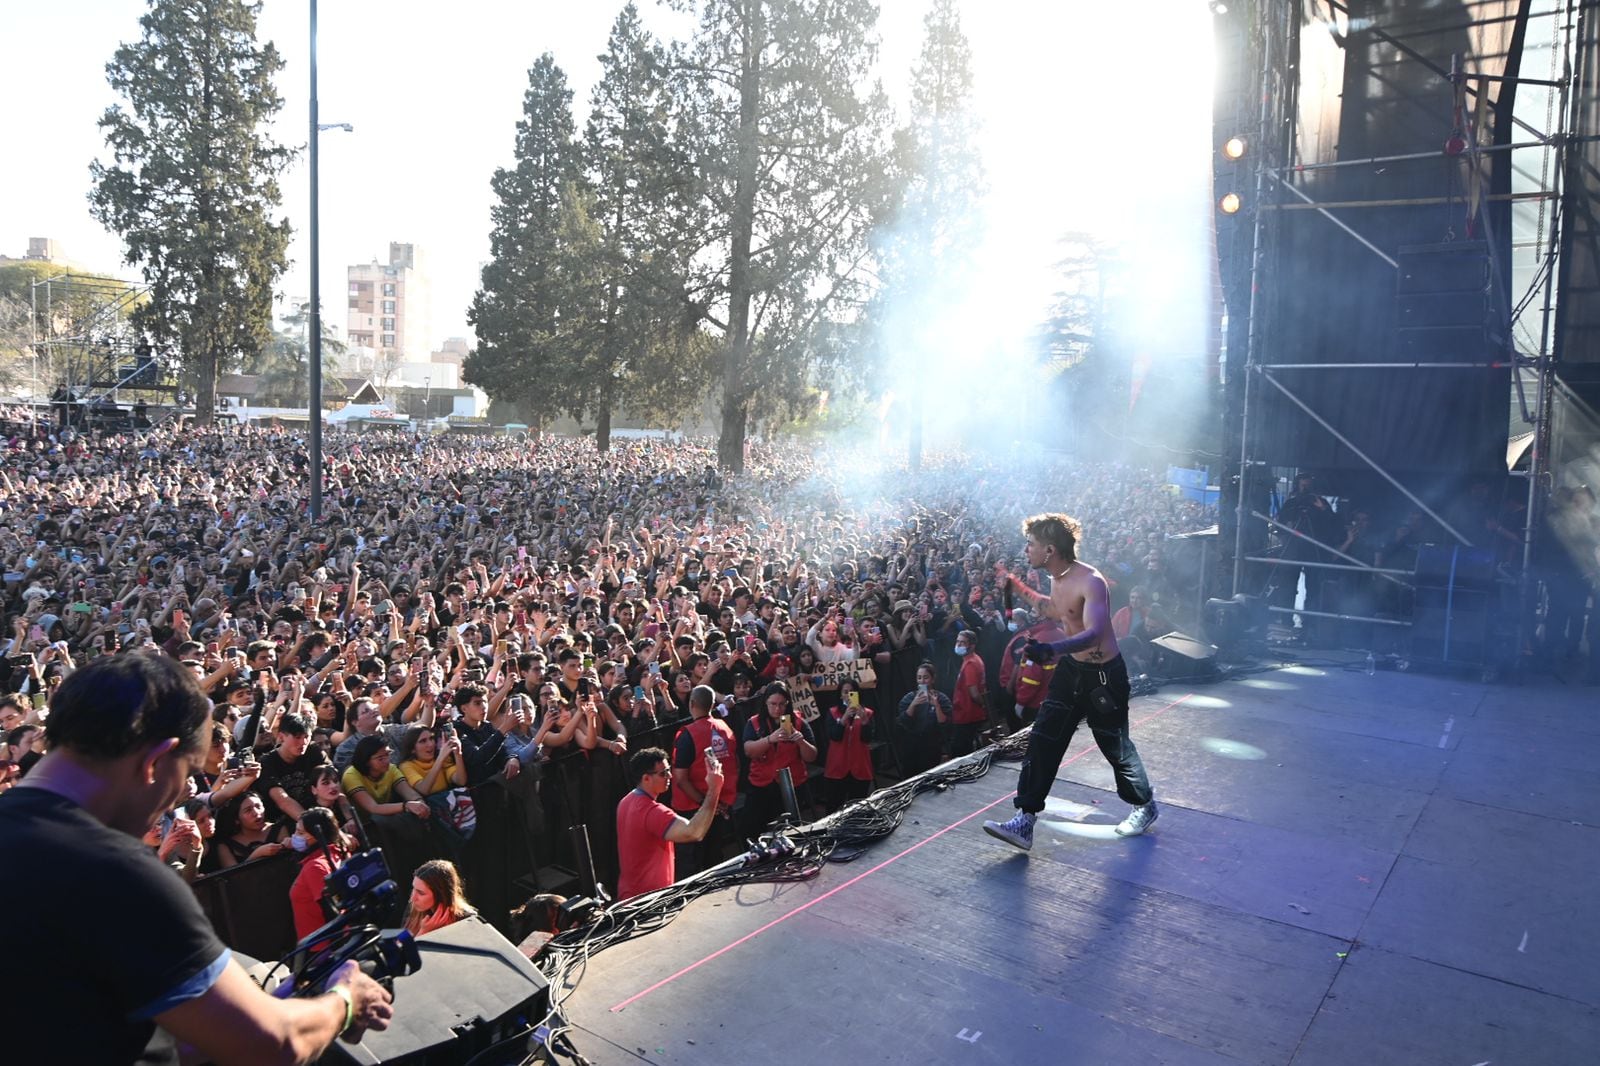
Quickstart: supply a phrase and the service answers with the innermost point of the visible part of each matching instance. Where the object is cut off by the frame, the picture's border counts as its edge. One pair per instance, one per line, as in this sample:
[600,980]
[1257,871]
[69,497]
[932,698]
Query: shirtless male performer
[1090,682]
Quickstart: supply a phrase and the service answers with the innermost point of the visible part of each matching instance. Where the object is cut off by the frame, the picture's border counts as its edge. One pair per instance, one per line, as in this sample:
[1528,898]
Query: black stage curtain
[1373,75]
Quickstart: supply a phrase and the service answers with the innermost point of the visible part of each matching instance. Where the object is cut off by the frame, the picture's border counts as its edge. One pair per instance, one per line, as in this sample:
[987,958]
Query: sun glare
[1076,139]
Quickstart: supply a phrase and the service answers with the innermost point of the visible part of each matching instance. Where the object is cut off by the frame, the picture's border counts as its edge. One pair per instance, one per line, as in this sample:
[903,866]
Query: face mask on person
[1013,626]
[961,649]
[300,842]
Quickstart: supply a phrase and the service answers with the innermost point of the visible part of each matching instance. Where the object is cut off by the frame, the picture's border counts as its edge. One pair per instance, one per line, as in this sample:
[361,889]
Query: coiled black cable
[801,854]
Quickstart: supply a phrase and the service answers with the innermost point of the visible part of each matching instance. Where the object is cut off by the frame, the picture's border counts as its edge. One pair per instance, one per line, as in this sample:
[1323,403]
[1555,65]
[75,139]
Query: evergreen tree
[516,312]
[927,254]
[193,182]
[1084,355]
[790,153]
[283,364]
[642,349]
[16,348]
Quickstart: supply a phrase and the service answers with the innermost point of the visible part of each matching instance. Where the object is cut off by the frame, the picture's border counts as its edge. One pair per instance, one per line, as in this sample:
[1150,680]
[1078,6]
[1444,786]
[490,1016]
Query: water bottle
[1372,664]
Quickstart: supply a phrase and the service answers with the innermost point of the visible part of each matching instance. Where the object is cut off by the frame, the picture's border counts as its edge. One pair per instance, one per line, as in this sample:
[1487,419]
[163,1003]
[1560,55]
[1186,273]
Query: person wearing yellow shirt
[377,788]
[431,761]
[404,824]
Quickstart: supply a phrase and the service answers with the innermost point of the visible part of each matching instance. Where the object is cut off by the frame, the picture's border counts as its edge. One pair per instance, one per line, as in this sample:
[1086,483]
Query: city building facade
[390,308]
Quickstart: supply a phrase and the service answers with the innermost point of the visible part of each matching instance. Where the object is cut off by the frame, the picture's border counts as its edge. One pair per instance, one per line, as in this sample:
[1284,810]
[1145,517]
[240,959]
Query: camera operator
[125,733]
[1307,512]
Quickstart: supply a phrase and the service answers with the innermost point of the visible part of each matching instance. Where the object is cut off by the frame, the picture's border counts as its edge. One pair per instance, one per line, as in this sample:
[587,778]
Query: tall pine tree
[787,132]
[927,255]
[643,350]
[517,311]
[193,182]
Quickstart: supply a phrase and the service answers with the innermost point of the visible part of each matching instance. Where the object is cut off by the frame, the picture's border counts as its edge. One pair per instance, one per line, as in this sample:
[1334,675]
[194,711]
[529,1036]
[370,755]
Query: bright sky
[1096,117]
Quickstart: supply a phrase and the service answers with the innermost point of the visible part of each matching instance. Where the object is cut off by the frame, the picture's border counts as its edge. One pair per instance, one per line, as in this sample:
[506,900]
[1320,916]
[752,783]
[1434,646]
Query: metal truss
[1276,28]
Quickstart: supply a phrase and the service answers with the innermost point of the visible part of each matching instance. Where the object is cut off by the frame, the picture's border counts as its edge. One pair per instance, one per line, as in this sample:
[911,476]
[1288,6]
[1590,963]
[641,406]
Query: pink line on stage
[867,873]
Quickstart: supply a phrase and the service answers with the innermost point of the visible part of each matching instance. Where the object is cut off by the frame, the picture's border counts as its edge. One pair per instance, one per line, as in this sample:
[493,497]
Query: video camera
[363,894]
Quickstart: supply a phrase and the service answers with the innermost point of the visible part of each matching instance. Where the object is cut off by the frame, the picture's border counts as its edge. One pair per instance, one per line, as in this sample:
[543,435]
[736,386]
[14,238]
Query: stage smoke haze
[1095,126]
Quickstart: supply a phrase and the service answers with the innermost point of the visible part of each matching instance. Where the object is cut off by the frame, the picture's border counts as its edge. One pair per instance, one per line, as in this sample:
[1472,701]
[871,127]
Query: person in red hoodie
[1026,680]
[969,701]
[323,846]
[703,733]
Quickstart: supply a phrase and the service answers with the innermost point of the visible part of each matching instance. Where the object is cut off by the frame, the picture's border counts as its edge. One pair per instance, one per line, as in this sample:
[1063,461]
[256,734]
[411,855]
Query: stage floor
[1347,870]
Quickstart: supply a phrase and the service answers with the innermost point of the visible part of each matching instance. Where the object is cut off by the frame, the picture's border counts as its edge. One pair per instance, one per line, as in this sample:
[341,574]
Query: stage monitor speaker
[474,990]
[1452,626]
[1444,565]
[1181,658]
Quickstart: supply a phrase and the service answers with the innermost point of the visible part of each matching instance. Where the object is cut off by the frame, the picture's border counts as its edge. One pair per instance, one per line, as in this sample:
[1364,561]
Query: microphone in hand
[1039,651]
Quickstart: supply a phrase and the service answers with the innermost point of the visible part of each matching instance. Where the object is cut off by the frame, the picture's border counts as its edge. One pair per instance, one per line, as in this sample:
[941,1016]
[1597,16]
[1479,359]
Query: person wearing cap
[906,628]
[766,616]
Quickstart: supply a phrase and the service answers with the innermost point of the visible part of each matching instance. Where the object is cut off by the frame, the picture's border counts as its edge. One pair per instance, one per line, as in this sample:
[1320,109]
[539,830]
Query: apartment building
[390,308]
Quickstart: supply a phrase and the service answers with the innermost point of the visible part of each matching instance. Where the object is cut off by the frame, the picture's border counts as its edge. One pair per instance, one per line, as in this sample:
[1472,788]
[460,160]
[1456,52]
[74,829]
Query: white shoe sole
[1121,832]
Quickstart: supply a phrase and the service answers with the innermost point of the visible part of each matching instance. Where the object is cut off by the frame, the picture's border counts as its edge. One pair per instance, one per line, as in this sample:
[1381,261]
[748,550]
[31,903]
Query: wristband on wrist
[343,992]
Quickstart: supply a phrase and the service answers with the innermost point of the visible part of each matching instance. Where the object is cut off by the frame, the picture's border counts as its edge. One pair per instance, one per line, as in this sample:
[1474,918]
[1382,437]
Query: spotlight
[1230,203]
[1218,7]
[1234,148]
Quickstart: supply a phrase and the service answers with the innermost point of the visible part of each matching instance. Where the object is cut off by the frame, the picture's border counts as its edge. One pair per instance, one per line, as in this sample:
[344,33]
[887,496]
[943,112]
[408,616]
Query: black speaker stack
[1452,619]
[1443,312]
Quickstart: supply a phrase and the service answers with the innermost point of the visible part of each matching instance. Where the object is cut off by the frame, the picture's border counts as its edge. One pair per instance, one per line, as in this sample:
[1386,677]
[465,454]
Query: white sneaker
[1138,820]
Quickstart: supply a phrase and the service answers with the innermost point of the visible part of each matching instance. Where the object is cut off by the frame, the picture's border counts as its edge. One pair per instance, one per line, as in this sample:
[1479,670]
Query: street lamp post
[314,415]
[33,335]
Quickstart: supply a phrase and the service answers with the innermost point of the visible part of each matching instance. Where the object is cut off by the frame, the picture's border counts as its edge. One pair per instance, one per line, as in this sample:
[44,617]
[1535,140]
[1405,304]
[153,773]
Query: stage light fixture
[1234,147]
[1230,203]
[1218,7]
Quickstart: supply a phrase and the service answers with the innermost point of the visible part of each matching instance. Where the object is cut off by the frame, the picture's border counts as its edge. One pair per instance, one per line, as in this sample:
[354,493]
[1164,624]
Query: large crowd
[458,659]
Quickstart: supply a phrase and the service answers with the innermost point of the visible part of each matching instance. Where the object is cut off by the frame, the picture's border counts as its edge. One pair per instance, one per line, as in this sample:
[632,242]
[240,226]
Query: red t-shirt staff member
[647,831]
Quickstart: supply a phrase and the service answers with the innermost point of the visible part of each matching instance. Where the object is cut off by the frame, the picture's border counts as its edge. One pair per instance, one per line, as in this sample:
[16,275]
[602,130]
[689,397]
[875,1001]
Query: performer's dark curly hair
[1059,531]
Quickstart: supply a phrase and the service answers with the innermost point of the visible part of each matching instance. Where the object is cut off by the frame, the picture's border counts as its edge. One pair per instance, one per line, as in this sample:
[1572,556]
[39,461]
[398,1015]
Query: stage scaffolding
[82,339]
[1288,40]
